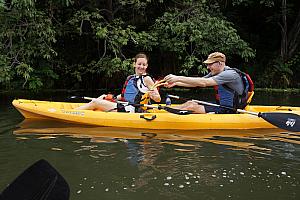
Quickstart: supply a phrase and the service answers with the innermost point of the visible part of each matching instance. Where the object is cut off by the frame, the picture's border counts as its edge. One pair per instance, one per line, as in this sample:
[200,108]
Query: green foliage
[24,70]
[294,66]
[110,66]
[5,70]
[283,72]
[277,75]
[193,32]
[116,35]
[43,41]
[27,36]
[189,63]
[268,3]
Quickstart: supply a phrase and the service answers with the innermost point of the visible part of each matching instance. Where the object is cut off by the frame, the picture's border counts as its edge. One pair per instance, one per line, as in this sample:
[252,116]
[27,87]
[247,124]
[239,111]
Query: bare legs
[99,104]
[193,106]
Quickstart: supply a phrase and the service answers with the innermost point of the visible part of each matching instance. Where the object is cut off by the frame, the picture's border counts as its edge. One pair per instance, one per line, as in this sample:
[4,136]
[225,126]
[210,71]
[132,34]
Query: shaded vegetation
[81,44]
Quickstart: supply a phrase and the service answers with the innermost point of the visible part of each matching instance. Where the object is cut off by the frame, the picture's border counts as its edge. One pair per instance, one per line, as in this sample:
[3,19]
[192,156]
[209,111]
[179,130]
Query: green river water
[109,163]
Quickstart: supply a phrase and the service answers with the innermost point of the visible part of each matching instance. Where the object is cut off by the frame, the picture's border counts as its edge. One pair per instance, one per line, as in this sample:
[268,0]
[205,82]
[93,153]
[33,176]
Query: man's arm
[184,81]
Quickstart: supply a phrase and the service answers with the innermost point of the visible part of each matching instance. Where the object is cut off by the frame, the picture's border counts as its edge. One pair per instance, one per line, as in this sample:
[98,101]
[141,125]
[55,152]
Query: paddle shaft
[159,107]
[127,103]
[287,121]
[215,105]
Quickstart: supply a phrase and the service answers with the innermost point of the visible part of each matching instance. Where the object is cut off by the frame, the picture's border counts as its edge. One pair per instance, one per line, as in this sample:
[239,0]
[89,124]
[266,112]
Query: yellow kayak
[156,119]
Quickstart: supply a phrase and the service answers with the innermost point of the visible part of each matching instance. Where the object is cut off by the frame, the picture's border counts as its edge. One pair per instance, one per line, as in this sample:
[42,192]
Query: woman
[135,86]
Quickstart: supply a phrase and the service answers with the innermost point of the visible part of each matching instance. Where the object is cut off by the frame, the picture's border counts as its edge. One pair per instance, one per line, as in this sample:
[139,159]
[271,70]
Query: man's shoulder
[226,76]
[230,71]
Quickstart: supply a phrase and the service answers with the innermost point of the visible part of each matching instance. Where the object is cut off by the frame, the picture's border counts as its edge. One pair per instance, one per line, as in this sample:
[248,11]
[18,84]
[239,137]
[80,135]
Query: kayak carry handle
[147,118]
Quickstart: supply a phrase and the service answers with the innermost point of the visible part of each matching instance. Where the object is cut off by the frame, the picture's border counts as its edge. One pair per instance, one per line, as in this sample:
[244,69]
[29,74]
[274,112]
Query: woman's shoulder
[147,77]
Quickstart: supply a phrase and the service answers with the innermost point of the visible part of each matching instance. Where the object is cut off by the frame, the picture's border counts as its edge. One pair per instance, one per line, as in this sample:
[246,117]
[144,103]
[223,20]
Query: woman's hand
[153,94]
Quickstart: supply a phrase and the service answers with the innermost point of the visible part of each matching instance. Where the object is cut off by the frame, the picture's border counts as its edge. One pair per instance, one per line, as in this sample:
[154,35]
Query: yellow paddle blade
[157,84]
[146,98]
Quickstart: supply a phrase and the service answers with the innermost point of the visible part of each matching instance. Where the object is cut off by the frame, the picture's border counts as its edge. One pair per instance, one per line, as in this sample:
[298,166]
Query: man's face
[214,67]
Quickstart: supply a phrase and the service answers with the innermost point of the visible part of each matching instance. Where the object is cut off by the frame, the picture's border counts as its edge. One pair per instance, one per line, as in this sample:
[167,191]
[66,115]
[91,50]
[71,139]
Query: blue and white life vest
[134,88]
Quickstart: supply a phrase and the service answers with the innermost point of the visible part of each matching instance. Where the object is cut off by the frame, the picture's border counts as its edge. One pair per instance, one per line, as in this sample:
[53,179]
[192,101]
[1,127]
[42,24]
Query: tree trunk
[289,40]
[109,8]
[283,50]
[294,36]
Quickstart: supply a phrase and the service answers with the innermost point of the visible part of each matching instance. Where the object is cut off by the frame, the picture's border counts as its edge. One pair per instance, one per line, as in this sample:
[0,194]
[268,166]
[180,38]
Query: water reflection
[148,139]
[128,163]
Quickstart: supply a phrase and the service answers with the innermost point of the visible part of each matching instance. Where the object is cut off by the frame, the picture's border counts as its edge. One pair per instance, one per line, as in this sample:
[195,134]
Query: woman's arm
[154,94]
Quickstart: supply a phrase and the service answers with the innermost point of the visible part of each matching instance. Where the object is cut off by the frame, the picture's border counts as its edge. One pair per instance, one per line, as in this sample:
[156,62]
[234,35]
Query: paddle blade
[177,111]
[38,182]
[287,121]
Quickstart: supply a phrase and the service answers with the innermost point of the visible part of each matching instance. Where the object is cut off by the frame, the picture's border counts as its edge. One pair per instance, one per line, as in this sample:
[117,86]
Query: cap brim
[208,61]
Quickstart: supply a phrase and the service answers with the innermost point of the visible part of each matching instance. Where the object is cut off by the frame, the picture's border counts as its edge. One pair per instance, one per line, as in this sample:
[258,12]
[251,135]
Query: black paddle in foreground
[159,107]
[286,121]
[38,182]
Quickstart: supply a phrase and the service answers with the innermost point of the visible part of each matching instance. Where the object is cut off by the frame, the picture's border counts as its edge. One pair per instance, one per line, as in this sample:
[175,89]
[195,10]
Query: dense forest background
[89,44]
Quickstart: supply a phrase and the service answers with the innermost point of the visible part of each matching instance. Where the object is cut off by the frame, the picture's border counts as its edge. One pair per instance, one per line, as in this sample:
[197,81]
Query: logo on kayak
[80,113]
[52,110]
[290,122]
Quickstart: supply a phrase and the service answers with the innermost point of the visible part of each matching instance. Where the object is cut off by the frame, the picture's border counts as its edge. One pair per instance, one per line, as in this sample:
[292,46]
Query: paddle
[159,107]
[145,99]
[287,121]
[38,182]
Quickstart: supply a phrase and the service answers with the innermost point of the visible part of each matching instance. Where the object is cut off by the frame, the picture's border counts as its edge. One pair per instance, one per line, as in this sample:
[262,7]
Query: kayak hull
[157,119]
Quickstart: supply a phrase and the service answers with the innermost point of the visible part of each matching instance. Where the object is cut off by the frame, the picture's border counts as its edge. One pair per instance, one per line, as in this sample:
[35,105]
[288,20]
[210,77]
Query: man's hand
[171,80]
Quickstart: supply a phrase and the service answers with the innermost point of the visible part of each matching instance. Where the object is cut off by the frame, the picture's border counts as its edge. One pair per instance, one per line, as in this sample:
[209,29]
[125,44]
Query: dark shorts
[129,108]
[218,110]
[120,107]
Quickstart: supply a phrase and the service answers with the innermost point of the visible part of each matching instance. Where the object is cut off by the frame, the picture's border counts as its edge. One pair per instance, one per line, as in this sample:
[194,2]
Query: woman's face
[141,65]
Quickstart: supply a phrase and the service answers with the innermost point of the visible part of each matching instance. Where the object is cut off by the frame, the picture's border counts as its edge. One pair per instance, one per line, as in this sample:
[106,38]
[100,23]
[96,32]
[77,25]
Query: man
[230,87]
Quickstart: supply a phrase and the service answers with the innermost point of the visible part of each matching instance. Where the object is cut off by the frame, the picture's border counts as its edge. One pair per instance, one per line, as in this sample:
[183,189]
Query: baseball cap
[215,57]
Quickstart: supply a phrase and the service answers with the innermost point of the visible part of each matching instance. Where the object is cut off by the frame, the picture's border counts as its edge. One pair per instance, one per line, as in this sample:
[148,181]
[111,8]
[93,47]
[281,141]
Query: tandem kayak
[155,119]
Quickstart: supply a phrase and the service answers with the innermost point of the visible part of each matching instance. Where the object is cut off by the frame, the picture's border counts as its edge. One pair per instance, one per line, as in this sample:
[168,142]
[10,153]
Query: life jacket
[226,96]
[134,88]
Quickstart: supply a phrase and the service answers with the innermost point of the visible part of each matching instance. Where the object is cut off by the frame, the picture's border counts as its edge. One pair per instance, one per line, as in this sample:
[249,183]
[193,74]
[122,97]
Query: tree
[26,36]
[277,38]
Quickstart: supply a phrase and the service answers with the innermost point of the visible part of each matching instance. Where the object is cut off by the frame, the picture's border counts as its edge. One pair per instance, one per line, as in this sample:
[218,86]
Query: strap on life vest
[124,87]
[249,83]
[250,93]
[217,95]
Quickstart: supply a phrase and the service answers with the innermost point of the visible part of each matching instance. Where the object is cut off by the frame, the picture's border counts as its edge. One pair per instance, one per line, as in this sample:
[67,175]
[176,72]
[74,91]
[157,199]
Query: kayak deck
[155,119]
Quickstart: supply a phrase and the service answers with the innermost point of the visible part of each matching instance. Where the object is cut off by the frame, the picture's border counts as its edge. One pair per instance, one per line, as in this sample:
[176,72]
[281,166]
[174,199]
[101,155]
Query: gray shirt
[229,77]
